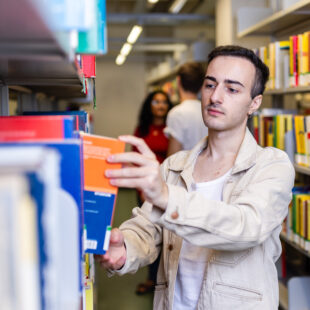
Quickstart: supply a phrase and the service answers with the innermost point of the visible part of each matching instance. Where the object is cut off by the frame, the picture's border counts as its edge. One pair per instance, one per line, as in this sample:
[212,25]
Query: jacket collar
[246,158]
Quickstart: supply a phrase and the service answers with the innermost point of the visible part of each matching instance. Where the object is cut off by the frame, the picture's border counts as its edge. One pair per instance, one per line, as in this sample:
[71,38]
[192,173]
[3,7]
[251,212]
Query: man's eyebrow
[227,81]
[233,82]
[208,77]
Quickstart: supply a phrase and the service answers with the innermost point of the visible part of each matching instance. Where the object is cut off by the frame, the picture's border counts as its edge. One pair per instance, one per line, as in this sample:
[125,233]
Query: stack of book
[55,205]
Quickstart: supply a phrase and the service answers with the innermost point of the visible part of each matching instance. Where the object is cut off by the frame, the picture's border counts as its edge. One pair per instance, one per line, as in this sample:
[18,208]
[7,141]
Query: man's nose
[217,94]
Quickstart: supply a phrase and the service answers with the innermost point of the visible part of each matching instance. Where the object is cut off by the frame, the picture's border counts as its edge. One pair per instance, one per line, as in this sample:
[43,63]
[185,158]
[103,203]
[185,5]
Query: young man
[216,211]
[185,125]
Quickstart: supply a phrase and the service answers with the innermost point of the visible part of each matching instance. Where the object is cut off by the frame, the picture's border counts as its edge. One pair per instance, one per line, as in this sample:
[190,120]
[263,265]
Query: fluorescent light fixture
[134,34]
[126,49]
[176,6]
[120,59]
[152,1]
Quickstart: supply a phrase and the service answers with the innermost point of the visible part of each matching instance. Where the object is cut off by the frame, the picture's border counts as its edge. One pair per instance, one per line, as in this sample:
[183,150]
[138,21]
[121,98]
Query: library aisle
[119,292]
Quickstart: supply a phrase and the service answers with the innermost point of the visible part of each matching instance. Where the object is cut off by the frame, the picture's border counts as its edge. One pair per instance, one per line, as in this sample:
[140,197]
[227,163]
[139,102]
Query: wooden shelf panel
[294,245]
[293,90]
[302,169]
[296,14]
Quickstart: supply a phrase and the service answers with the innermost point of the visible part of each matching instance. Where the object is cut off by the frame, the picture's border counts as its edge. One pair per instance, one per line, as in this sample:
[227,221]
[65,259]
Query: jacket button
[174,215]
[170,247]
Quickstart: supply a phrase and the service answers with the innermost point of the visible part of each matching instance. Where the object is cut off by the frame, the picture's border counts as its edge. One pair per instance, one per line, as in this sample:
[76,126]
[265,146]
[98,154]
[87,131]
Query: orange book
[99,194]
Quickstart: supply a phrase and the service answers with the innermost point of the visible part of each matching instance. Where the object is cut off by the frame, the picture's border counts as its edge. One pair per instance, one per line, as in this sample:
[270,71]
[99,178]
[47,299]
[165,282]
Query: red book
[89,66]
[35,128]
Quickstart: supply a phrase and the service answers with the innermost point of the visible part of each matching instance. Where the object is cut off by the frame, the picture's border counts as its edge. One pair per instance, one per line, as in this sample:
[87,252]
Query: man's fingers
[130,157]
[128,183]
[139,144]
[117,237]
[131,172]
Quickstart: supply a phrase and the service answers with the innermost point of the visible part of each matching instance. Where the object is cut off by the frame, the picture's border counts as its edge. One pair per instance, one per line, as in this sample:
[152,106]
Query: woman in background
[152,121]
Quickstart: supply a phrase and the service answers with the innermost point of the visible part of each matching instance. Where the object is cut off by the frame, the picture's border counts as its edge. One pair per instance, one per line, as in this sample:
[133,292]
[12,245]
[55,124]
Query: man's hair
[191,76]
[262,71]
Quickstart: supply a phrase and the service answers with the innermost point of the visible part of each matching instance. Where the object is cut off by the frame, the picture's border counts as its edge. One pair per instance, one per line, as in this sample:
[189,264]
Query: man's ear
[255,104]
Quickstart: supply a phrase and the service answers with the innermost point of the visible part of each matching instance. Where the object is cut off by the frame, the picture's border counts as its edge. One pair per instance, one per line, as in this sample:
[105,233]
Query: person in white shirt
[185,126]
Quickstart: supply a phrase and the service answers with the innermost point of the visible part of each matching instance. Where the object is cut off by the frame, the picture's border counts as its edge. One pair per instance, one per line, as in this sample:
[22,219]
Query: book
[94,40]
[19,245]
[71,192]
[30,128]
[80,117]
[99,194]
[41,168]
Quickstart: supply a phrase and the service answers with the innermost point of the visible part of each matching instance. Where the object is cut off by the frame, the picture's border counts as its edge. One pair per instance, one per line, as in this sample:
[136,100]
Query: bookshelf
[279,26]
[33,55]
[39,41]
[284,19]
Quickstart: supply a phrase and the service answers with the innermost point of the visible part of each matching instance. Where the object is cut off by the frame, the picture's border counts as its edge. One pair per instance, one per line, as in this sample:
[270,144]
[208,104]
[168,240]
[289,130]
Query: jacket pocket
[237,292]
[229,258]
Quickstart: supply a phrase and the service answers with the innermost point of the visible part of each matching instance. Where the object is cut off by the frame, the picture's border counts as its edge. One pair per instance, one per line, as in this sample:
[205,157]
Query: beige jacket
[242,230]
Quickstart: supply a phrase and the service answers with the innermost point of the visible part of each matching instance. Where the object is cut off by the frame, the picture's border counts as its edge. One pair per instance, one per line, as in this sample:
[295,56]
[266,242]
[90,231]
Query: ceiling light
[120,59]
[134,34]
[176,6]
[152,1]
[126,49]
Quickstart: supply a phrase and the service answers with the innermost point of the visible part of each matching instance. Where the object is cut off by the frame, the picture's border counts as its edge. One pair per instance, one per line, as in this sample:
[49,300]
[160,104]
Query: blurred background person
[152,121]
[185,126]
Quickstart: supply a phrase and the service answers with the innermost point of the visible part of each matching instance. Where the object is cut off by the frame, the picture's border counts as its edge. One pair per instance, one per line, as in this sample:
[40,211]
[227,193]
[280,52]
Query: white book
[43,163]
[20,287]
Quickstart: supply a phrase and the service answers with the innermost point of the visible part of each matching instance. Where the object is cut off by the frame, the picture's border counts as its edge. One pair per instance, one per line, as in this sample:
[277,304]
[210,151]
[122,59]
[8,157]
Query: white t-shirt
[185,123]
[193,259]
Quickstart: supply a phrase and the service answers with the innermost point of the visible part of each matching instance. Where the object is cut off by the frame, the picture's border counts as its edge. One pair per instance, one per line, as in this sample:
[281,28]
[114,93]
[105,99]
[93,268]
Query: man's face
[226,93]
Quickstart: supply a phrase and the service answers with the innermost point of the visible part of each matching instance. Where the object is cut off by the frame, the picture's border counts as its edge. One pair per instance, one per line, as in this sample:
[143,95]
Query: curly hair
[146,116]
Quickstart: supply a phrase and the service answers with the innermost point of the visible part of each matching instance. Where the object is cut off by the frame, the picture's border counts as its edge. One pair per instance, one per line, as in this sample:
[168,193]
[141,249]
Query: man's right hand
[115,257]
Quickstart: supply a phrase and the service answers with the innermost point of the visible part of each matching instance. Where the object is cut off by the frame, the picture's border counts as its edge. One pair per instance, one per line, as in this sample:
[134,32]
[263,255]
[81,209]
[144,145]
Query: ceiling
[163,32]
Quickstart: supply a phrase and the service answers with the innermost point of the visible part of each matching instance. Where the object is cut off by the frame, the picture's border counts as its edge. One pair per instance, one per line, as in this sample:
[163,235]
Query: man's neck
[223,143]
[220,154]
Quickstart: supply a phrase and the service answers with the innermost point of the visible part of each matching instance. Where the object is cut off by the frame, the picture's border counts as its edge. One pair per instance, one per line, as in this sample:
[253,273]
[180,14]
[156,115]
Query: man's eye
[210,86]
[232,90]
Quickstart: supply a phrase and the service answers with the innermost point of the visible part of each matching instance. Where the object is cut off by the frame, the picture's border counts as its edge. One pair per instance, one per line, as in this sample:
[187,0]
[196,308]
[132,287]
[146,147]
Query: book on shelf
[81,121]
[288,61]
[94,40]
[89,65]
[99,194]
[36,128]
[71,186]
[19,245]
[296,225]
[40,167]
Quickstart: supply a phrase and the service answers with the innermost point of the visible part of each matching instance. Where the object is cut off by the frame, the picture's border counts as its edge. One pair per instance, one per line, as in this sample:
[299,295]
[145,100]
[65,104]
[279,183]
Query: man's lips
[214,111]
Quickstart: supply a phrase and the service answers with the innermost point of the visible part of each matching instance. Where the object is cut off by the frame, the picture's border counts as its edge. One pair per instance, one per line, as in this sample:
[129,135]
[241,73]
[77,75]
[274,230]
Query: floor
[118,293]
